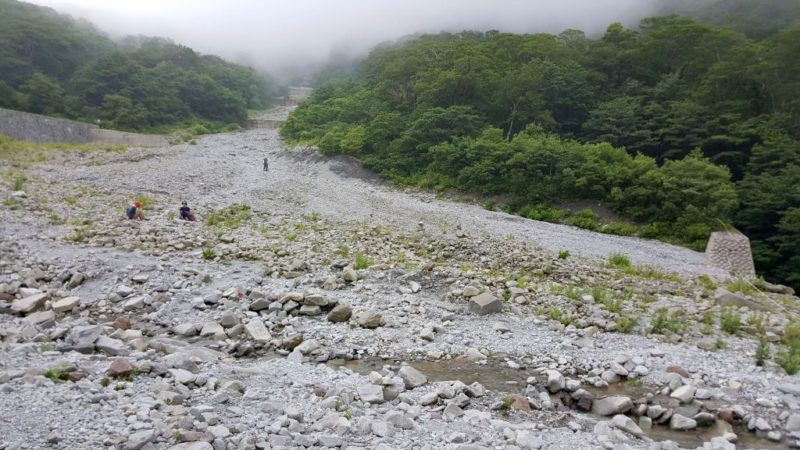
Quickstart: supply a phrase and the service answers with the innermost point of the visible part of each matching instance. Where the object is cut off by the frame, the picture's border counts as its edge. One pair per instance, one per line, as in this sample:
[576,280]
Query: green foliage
[681,128]
[563,254]
[229,217]
[208,254]
[55,65]
[664,322]
[743,286]
[619,261]
[730,321]
[762,351]
[361,261]
[60,373]
[625,324]
[707,282]
[720,344]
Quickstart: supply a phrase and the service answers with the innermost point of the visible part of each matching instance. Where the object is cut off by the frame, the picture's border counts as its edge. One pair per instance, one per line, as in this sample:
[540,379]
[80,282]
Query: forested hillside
[55,65]
[680,127]
[755,18]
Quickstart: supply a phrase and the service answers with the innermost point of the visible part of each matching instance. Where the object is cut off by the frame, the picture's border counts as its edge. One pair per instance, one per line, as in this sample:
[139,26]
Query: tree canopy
[53,64]
[681,127]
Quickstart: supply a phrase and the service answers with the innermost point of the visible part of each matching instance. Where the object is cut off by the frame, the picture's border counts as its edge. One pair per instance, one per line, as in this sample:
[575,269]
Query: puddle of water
[492,377]
[497,377]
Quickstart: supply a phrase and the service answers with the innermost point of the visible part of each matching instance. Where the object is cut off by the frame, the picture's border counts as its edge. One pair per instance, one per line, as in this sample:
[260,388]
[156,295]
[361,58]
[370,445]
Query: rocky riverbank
[240,331]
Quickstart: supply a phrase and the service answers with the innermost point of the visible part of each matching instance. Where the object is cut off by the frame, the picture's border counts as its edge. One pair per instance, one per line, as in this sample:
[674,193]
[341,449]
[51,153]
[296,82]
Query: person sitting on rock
[135,211]
[186,212]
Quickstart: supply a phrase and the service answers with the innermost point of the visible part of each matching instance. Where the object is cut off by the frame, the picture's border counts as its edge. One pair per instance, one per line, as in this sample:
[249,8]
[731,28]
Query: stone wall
[33,127]
[36,128]
[730,250]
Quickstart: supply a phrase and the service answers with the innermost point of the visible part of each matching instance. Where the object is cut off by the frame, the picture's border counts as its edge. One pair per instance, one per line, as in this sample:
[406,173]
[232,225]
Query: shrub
[208,254]
[625,324]
[707,282]
[585,218]
[619,261]
[563,254]
[743,286]
[762,352]
[730,321]
[789,361]
[361,261]
[60,373]
[619,228]
[720,344]
[663,322]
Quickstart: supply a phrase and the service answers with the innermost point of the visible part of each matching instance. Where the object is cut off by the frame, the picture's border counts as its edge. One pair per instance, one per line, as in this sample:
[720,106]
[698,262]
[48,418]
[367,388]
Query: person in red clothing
[135,211]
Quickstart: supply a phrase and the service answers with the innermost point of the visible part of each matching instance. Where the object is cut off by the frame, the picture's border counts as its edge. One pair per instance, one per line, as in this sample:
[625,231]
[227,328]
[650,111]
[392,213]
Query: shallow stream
[497,377]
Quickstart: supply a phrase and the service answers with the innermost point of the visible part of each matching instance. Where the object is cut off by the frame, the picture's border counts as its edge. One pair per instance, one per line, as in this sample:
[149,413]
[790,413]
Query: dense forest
[680,127]
[53,64]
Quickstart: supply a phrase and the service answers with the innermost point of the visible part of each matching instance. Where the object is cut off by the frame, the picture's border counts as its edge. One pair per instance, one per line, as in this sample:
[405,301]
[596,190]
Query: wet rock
[412,378]
[678,370]
[485,303]
[192,446]
[684,394]
[626,424]
[555,381]
[610,406]
[680,423]
[309,346]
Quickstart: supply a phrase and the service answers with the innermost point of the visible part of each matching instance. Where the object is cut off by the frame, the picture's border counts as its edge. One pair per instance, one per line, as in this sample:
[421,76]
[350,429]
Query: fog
[277,35]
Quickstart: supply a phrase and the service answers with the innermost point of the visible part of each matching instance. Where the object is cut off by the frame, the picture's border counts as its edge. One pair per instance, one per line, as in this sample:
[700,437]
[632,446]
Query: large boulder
[485,303]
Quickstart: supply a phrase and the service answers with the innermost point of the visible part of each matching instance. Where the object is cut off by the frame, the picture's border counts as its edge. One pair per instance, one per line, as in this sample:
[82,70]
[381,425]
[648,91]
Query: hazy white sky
[272,33]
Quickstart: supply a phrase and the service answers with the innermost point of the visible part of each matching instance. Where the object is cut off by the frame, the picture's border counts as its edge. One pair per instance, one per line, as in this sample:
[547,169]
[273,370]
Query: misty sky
[277,33]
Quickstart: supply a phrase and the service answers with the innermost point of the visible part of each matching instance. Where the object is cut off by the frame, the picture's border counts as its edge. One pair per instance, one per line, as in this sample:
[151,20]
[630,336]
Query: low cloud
[277,34]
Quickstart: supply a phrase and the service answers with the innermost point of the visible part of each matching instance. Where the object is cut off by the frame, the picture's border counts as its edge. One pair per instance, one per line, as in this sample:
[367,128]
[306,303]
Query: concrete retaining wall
[37,128]
[33,127]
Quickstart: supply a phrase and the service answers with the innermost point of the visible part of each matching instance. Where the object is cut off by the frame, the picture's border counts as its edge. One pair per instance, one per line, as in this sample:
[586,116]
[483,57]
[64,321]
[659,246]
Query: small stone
[370,320]
[349,275]
[139,439]
[66,304]
[452,412]
[120,367]
[370,393]
[257,331]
